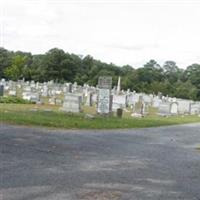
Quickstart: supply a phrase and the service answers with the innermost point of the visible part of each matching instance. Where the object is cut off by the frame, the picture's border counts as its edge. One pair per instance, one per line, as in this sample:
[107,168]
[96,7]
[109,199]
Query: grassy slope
[26,115]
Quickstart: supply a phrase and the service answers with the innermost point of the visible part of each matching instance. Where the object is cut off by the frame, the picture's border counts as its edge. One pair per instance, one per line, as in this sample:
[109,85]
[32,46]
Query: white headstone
[72,103]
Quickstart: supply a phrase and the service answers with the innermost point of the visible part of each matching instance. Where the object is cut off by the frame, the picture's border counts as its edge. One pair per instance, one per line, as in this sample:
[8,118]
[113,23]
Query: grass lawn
[50,116]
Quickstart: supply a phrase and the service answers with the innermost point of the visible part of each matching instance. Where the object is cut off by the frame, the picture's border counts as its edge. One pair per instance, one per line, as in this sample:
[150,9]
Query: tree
[150,72]
[171,71]
[5,61]
[192,73]
[152,64]
[16,70]
[61,66]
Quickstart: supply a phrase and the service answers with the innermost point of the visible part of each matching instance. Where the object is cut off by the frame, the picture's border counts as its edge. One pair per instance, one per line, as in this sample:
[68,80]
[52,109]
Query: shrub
[12,99]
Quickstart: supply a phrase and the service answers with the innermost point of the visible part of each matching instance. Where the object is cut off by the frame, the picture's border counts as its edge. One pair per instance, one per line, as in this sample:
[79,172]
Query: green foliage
[63,67]
[5,60]
[15,100]
[16,70]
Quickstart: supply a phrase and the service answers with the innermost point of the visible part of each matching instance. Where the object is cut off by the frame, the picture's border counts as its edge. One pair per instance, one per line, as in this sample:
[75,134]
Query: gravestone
[31,96]
[174,108]
[89,99]
[184,106]
[104,100]
[1,90]
[12,93]
[52,100]
[72,103]
[119,101]
[164,109]
[168,108]
[147,99]
[105,82]
[194,108]
[70,87]
[58,101]
[156,102]
[45,91]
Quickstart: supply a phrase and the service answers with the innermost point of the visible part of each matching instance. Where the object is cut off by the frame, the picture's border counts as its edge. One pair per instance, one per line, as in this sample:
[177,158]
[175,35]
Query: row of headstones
[180,107]
[107,103]
[105,98]
[34,91]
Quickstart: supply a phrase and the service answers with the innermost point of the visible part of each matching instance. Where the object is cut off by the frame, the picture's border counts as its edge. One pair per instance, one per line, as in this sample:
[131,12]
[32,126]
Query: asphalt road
[135,164]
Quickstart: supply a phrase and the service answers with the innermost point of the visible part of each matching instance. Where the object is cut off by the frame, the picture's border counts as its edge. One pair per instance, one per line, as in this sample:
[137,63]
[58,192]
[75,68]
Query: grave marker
[1,90]
[104,103]
[72,103]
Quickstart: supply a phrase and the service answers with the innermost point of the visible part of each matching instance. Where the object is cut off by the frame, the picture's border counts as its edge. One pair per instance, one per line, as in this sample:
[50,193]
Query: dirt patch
[100,195]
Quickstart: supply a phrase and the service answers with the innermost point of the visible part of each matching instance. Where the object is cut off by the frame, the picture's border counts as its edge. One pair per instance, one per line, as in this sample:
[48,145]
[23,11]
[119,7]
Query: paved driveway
[135,164]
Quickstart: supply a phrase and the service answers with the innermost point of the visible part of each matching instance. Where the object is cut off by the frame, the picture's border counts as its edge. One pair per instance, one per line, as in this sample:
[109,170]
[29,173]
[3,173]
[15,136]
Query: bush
[16,100]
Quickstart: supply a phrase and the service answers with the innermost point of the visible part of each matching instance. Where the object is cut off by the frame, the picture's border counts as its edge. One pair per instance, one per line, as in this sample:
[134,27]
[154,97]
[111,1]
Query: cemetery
[99,100]
[70,105]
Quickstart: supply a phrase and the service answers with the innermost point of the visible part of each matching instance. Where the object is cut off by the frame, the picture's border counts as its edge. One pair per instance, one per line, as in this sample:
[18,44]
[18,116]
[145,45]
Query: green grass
[37,116]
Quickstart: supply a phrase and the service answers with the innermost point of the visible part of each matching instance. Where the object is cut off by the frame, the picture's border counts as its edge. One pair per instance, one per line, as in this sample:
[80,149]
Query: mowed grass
[50,116]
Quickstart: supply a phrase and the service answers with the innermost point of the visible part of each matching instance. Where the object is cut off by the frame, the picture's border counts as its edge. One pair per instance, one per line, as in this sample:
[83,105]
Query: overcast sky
[118,31]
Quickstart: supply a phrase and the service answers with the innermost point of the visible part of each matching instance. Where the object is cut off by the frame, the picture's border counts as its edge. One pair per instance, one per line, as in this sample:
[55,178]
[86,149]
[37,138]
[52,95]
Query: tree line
[62,67]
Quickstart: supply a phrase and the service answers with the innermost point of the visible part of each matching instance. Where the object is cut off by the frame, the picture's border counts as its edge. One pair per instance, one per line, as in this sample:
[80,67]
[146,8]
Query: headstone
[45,91]
[119,112]
[72,103]
[119,101]
[147,99]
[168,108]
[156,102]
[104,101]
[89,99]
[184,106]
[174,108]
[194,108]
[164,109]
[1,90]
[144,109]
[12,93]
[52,100]
[58,101]
[105,82]
[70,87]
[29,96]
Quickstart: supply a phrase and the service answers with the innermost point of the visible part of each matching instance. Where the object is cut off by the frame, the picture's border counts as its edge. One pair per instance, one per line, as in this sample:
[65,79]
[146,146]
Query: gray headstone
[72,103]
[89,99]
[104,101]
[164,109]
[1,90]
[105,82]
[194,108]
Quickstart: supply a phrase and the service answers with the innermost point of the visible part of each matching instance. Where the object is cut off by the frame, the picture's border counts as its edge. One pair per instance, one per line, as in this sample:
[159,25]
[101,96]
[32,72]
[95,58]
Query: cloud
[133,47]
[122,32]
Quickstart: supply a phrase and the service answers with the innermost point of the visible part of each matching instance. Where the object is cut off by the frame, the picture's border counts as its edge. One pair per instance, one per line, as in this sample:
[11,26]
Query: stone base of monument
[137,115]
[89,116]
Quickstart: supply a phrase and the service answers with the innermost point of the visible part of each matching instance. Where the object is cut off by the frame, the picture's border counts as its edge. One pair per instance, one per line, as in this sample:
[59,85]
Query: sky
[118,31]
